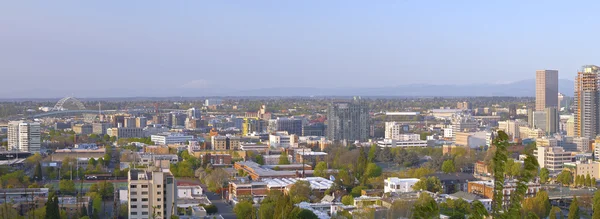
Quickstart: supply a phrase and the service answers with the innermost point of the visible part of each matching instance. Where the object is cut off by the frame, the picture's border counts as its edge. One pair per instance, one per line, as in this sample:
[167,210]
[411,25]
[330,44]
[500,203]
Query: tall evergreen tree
[555,213]
[37,174]
[574,209]
[499,163]
[52,210]
[84,211]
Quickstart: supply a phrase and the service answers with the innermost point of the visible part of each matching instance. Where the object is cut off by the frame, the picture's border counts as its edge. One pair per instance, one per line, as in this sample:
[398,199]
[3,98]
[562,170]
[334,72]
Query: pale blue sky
[116,47]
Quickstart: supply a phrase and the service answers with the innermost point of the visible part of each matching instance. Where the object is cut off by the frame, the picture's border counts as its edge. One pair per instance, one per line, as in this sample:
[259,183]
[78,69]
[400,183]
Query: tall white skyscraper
[24,136]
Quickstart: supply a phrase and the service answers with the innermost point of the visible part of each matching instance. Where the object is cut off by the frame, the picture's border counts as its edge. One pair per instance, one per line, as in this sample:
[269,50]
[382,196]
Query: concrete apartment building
[130,122]
[141,122]
[283,139]
[397,185]
[583,144]
[166,138]
[512,128]
[220,143]
[586,100]
[583,168]
[348,121]
[83,129]
[121,132]
[151,194]
[552,158]
[100,128]
[24,136]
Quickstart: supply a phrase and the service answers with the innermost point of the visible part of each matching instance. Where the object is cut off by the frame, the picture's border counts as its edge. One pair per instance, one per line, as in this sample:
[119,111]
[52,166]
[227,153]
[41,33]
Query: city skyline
[59,48]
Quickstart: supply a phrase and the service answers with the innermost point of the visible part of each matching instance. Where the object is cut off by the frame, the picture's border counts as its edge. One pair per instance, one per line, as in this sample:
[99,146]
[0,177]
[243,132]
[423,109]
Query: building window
[144,213]
[144,193]
[133,206]
[134,199]
[133,186]
[158,186]
[144,206]
[158,199]
[133,213]
[144,199]
[158,193]
[133,193]
[144,187]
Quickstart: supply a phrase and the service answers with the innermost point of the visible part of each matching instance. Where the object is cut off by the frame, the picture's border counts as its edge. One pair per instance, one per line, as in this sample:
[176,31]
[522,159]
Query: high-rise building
[315,129]
[141,122]
[348,120]
[151,194]
[546,89]
[100,128]
[24,136]
[291,125]
[393,130]
[512,110]
[463,105]
[571,126]
[130,122]
[586,102]
[194,113]
[552,120]
[178,119]
[83,129]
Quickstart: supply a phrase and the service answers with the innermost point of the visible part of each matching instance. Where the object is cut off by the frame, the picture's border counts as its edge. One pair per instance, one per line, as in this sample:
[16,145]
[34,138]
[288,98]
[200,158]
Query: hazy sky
[59,48]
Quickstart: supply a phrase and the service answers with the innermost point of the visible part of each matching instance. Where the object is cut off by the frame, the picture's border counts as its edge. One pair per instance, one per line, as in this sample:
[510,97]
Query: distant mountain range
[525,88]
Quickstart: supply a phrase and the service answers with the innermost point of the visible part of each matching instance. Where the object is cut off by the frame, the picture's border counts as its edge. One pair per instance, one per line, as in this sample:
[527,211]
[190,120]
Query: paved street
[224,209]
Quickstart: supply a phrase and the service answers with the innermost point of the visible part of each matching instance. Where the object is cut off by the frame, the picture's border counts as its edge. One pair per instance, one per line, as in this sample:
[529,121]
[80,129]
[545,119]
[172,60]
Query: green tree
[544,175]
[67,186]
[565,178]
[299,213]
[556,213]
[300,191]
[348,200]
[425,207]
[588,180]
[448,166]
[499,168]
[478,211]
[574,209]
[539,205]
[596,205]
[244,210]
[431,184]
[321,169]
[92,162]
[527,174]
[283,158]
[37,175]
[52,209]
[372,171]
[372,153]
[356,191]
